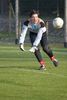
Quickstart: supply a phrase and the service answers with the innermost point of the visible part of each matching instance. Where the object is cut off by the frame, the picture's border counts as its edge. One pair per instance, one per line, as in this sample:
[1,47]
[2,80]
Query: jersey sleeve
[26,22]
[24,31]
[39,35]
[42,24]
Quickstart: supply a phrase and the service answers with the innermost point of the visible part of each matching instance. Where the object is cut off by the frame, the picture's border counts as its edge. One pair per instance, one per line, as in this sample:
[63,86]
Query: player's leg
[47,49]
[37,52]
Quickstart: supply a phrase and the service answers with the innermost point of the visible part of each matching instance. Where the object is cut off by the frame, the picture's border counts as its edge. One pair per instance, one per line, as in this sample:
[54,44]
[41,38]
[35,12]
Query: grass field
[20,78]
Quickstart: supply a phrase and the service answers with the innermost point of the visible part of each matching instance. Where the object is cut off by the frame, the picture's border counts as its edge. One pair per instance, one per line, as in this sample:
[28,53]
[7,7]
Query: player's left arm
[39,37]
[40,33]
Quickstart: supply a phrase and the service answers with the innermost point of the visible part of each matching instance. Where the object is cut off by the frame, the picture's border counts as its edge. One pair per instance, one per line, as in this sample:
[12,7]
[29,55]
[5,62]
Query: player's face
[34,18]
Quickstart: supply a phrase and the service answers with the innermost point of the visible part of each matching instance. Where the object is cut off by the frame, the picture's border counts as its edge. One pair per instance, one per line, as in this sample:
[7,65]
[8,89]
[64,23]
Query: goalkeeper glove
[22,47]
[33,49]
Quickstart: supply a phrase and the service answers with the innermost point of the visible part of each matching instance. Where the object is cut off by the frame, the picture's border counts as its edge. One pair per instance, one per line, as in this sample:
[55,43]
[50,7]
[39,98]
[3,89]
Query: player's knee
[46,49]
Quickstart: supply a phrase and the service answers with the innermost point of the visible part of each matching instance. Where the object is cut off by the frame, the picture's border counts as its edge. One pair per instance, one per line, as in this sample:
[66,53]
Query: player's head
[34,16]
[34,12]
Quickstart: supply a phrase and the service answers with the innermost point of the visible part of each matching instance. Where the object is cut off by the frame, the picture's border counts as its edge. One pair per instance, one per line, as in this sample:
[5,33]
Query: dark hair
[33,12]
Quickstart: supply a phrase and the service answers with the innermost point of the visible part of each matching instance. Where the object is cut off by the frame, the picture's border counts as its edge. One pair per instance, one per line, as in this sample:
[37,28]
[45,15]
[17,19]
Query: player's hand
[33,49]
[22,47]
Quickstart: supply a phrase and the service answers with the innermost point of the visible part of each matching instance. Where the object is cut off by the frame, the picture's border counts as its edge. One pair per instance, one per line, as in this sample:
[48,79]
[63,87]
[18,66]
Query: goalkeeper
[37,30]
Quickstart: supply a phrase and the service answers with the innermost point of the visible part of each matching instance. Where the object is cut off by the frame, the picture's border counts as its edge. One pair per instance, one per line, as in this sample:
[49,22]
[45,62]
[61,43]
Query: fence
[7,31]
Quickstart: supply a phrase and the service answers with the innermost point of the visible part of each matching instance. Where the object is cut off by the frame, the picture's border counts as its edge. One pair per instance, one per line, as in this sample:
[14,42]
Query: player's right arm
[23,34]
[24,31]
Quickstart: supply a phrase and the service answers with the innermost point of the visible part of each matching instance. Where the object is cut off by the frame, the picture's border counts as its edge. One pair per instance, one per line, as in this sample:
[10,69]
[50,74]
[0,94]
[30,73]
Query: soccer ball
[58,23]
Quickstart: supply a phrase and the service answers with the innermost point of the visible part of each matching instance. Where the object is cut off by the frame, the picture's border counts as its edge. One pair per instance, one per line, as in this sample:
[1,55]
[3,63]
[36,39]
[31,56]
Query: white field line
[45,72]
[42,72]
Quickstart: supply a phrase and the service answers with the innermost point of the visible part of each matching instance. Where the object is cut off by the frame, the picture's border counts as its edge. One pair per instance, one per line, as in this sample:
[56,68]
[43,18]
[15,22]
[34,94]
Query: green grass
[20,78]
